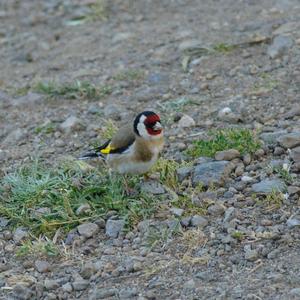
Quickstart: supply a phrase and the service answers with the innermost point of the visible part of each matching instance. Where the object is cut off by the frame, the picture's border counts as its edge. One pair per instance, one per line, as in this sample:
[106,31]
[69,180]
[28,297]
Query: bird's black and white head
[148,126]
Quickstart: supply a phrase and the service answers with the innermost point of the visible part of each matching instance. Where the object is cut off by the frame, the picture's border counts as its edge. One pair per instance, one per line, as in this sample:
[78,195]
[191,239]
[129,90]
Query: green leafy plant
[243,140]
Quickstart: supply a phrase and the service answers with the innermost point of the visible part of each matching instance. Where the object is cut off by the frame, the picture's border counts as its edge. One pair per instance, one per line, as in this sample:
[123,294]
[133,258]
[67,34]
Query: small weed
[77,90]
[99,11]
[45,128]
[284,173]
[243,140]
[224,48]
[22,90]
[38,248]
[271,201]
[160,235]
[238,235]
[265,81]
[129,75]
[62,189]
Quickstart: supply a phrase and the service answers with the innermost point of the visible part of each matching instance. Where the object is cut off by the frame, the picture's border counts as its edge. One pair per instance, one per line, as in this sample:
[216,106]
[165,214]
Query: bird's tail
[90,155]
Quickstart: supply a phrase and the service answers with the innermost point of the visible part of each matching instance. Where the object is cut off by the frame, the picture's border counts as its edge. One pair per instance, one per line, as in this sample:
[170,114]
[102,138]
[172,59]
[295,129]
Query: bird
[135,148]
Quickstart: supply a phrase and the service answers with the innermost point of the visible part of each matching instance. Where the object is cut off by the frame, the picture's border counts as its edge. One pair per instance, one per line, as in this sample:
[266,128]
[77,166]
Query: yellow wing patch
[107,149]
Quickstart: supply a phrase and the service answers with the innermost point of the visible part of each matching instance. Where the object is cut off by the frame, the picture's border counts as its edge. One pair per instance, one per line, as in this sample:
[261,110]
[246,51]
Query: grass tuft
[45,199]
[243,140]
[129,75]
[76,90]
[224,48]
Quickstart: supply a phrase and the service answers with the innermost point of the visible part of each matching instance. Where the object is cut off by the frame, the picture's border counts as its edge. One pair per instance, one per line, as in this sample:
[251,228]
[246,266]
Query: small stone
[295,154]
[190,45]
[190,284]
[216,210]
[247,179]
[80,284]
[152,187]
[183,173]
[83,209]
[87,270]
[268,185]
[293,221]
[186,121]
[114,227]
[290,140]
[122,36]
[199,221]
[239,170]
[259,153]
[128,293]
[67,287]
[103,293]
[51,284]
[3,222]
[280,45]
[19,235]
[14,137]
[224,112]
[203,197]
[22,292]
[112,111]
[42,266]
[294,112]
[88,229]
[247,159]
[270,138]
[212,173]
[185,222]
[251,255]
[229,214]
[72,123]
[227,154]
[278,151]
[292,190]
[178,212]
[295,292]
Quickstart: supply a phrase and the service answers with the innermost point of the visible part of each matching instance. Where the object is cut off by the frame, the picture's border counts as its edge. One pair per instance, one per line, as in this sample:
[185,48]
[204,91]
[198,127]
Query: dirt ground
[175,57]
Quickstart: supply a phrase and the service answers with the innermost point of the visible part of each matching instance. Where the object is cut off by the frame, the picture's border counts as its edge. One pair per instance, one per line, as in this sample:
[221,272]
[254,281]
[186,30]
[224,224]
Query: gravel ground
[202,65]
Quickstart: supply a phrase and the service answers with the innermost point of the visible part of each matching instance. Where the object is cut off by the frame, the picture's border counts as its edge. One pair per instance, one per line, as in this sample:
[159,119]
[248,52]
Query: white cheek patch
[142,128]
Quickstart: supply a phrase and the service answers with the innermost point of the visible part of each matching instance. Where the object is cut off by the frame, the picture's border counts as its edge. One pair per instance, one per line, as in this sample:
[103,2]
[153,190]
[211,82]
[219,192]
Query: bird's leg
[128,190]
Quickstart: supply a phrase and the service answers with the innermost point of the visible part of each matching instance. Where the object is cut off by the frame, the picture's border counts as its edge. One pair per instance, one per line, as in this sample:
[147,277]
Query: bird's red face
[153,125]
[147,125]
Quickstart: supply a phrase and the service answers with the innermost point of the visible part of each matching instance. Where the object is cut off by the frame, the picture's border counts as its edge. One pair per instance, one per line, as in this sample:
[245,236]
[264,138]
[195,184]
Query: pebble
[251,255]
[14,137]
[247,179]
[83,209]
[268,185]
[51,284]
[227,154]
[295,292]
[212,173]
[112,111]
[19,235]
[290,140]
[295,154]
[190,284]
[247,159]
[87,270]
[103,293]
[278,151]
[239,170]
[178,212]
[183,173]
[293,221]
[216,209]
[67,287]
[114,228]
[88,230]
[128,293]
[22,292]
[270,138]
[80,284]
[72,123]
[42,266]
[185,222]
[230,214]
[292,190]
[189,45]
[280,45]
[198,221]
[259,153]
[152,187]
[186,122]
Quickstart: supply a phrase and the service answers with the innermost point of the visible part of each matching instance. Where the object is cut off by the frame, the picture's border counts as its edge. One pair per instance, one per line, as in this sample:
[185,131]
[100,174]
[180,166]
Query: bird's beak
[157,126]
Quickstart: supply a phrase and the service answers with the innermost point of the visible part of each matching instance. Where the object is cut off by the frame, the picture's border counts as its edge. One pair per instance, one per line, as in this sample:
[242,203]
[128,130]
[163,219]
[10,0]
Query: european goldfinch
[134,148]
